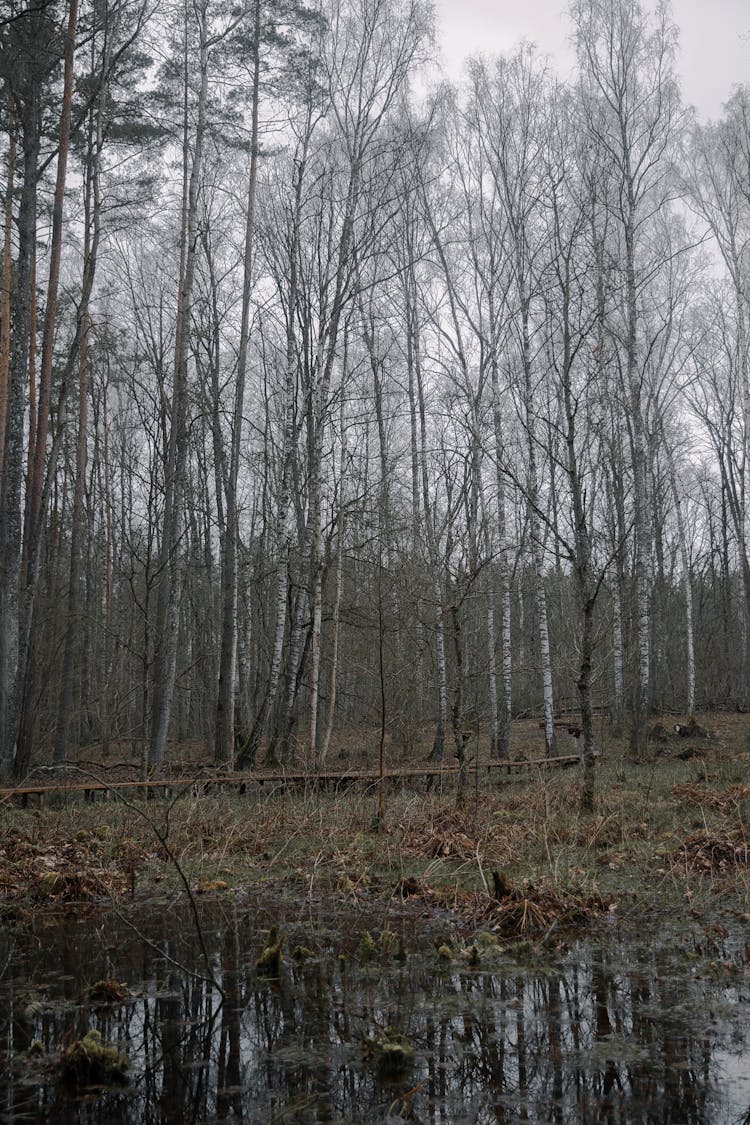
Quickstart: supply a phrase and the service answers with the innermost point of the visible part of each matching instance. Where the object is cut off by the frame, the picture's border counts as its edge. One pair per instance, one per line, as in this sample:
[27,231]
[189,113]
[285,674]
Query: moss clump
[49,882]
[302,953]
[366,947]
[388,943]
[472,956]
[444,954]
[89,1062]
[485,940]
[107,992]
[269,962]
[392,1053]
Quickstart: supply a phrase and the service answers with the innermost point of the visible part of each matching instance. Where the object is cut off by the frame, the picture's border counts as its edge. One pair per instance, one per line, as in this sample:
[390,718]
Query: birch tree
[509,109]
[632,107]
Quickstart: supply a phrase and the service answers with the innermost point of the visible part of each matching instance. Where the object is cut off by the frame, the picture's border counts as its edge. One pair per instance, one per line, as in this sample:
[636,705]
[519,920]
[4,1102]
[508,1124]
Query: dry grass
[669,814]
[65,871]
[723,800]
[712,853]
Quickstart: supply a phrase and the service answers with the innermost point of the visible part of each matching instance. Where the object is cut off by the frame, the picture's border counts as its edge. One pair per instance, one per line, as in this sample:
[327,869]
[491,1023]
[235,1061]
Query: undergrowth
[676,825]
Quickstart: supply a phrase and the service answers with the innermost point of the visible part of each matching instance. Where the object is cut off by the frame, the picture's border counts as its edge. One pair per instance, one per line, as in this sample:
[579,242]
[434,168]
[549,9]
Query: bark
[5,294]
[13,451]
[492,672]
[170,585]
[506,698]
[336,617]
[247,754]
[537,543]
[224,736]
[34,516]
[632,107]
[687,579]
[457,711]
[92,229]
[640,496]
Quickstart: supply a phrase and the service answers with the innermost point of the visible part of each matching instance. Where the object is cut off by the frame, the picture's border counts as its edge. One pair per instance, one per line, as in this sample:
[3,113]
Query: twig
[162,838]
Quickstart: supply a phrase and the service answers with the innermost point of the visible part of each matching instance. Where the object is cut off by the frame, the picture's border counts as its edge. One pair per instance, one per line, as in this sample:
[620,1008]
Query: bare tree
[632,107]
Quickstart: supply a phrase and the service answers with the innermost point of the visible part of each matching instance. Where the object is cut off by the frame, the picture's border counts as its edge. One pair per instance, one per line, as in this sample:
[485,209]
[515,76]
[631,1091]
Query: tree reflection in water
[613,1031]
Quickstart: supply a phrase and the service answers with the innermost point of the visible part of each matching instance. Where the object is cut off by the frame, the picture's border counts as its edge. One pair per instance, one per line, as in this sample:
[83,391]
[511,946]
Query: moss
[366,947]
[472,956]
[302,953]
[269,962]
[32,1009]
[445,954]
[523,951]
[89,1062]
[107,992]
[49,882]
[388,942]
[485,940]
[393,1055]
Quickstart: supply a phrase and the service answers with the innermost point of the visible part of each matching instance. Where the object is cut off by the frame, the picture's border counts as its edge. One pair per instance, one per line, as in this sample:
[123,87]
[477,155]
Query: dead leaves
[56,873]
[528,911]
[450,833]
[712,853]
[524,911]
[723,800]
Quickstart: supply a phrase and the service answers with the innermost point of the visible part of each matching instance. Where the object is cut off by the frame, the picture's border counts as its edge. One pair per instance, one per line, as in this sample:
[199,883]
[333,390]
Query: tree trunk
[5,298]
[224,735]
[506,698]
[33,529]
[458,701]
[686,578]
[170,584]
[537,548]
[13,451]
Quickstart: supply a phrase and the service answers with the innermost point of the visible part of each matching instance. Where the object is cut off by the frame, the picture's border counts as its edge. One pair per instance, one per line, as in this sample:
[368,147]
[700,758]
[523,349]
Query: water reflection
[616,1031]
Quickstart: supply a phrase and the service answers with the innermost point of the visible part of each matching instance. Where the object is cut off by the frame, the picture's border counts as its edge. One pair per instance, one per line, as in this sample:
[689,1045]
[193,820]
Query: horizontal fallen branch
[241,781]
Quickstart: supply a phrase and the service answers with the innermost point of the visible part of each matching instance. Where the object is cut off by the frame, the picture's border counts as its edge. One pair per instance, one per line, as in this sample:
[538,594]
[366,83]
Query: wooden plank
[283,777]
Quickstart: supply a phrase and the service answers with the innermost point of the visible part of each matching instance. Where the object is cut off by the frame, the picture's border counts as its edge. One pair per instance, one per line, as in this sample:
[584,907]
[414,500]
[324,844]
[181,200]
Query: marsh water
[645,1021]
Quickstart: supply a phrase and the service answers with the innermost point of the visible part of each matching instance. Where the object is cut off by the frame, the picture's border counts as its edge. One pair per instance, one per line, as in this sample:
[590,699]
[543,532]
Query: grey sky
[715,39]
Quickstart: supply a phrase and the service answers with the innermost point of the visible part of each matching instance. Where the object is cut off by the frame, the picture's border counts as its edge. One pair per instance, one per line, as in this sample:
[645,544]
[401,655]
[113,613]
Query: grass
[676,826]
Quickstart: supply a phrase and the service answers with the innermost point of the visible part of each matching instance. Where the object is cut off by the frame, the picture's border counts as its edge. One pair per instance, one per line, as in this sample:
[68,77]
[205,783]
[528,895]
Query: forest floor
[517,858]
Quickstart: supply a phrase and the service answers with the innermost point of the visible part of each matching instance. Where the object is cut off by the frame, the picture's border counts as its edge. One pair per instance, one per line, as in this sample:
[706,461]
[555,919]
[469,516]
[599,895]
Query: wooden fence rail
[241,782]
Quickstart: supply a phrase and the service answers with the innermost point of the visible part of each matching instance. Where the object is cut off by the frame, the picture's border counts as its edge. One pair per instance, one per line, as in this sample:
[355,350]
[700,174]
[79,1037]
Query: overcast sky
[714,39]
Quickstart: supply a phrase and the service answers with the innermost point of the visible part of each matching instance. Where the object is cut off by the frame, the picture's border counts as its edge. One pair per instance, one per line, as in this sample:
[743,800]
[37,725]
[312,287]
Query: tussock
[723,800]
[529,911]
[712,853]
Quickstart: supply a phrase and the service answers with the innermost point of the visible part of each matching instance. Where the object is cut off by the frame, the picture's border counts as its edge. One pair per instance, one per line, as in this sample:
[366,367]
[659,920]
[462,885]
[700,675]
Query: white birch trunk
[332,690]
[224,724]
[503,748]
[537,550]
[686,578]
[617,657]
[315,640]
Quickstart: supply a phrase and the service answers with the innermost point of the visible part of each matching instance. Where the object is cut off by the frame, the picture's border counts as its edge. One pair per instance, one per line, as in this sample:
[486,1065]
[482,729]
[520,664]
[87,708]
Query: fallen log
[168,786]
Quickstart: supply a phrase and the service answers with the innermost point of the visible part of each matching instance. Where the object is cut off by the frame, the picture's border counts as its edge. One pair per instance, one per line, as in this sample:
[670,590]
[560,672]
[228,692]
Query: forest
[338,399]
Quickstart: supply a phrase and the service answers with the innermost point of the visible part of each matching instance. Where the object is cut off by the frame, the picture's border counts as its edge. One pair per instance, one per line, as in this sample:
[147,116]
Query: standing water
[622,1027]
